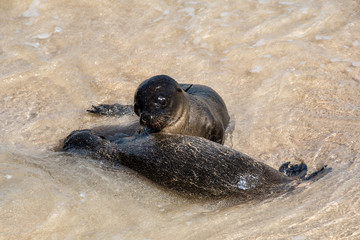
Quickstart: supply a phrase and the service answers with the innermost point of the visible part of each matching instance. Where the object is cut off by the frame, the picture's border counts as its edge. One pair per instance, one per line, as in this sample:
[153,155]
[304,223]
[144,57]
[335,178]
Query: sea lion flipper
[296,170]
[300,171]
[111,109]
[318,174]
[83,140]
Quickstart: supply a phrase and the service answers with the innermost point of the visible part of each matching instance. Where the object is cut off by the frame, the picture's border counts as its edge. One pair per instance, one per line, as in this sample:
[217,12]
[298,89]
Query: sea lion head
[159,102]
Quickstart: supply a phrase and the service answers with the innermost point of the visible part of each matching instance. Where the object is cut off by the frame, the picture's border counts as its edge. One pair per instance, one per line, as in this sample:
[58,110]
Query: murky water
[289,72]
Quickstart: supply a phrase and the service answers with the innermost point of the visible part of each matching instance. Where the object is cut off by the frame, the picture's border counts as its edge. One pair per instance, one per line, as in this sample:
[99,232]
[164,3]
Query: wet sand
[289,72]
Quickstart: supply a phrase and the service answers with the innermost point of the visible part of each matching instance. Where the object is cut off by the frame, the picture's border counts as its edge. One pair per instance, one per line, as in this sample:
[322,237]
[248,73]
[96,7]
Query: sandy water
[289,72]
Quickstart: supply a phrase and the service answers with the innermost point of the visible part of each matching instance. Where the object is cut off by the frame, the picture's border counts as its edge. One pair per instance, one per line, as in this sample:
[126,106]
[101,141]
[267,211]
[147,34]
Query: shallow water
[289,72]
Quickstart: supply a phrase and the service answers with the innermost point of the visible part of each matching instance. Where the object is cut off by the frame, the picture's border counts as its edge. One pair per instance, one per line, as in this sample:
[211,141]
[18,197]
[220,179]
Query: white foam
[347,60]
[8,176]
[256,69]
[243,184]
[335,60]
[204,45]
[321,37]
[158,8]
[57,29]
[35,45]
[299,237]
[286,3]
[42,36]
[30,22]
[355,64]
[117,237]
[197,41]
[32,10]
[188,214]
[188,11]
[83,197]
[259,43]
[158,19]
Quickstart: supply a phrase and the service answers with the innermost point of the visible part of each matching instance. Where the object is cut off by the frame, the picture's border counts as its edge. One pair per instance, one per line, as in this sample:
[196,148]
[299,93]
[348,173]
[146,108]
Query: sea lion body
[208,115]
[186,164]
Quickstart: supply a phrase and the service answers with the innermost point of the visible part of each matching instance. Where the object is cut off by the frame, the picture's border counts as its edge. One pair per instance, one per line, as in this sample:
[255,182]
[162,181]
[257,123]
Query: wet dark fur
[165,106]
[186,164]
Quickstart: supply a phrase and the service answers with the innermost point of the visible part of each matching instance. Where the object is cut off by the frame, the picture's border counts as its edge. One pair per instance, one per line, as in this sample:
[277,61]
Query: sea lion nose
[145,119]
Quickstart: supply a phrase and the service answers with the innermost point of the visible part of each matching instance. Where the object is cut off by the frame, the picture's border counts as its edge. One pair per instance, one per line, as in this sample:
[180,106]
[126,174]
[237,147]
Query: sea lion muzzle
[146,119]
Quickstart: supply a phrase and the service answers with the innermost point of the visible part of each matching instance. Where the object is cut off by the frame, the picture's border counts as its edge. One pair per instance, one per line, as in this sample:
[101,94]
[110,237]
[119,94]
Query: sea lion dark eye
[162,101]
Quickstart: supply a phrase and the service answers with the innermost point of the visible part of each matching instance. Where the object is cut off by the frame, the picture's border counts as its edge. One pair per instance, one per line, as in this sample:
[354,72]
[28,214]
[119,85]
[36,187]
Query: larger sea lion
[188,164]
[165,106]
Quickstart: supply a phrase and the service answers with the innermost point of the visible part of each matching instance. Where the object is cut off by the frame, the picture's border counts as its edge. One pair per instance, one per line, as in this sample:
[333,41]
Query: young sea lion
[165,106]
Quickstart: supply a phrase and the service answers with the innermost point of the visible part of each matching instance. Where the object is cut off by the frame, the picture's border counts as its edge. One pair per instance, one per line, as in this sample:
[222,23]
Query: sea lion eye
[161,101]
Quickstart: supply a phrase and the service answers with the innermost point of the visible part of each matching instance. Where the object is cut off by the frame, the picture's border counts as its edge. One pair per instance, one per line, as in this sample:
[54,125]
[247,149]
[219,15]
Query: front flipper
[83,140]
[300,170]
[112,110]
[318,174]
[297,170]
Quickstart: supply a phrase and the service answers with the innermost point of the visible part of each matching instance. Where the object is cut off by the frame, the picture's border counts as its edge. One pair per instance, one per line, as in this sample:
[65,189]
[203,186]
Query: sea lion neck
[180,121]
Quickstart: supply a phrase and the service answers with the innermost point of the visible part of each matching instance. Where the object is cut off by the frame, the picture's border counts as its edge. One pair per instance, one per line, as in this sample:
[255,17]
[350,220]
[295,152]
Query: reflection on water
[289,72]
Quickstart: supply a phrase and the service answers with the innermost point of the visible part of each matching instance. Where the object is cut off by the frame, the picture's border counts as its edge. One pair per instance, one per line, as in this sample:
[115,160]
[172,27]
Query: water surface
[289,72]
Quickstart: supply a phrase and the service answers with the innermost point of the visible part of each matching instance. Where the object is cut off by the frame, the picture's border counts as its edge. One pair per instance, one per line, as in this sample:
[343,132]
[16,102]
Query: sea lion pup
[189,165]
[165,106]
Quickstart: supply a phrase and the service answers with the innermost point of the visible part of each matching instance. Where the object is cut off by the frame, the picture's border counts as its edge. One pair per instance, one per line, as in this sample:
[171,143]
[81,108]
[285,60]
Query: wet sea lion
[180,147]
[188,164]
[165,106]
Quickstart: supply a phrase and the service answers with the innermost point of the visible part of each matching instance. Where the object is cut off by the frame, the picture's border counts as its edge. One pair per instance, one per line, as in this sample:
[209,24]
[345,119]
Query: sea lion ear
[178,89]
[187,89]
